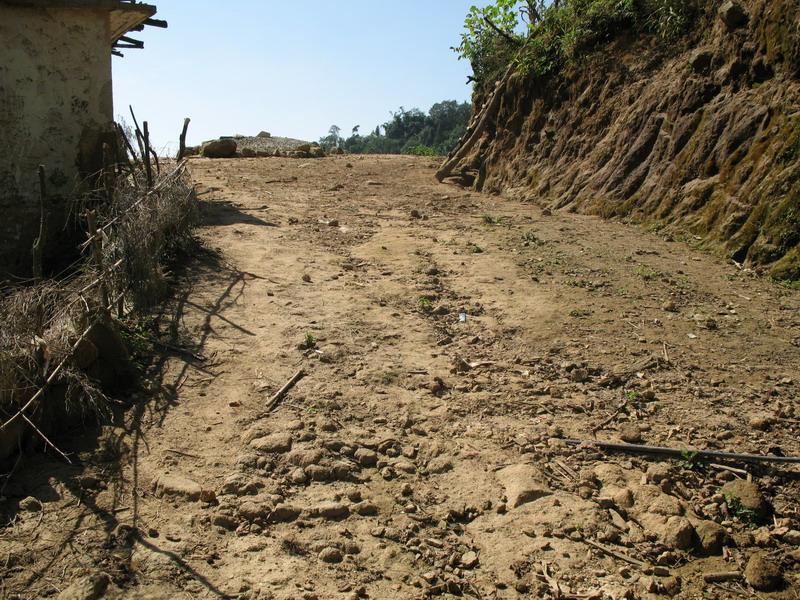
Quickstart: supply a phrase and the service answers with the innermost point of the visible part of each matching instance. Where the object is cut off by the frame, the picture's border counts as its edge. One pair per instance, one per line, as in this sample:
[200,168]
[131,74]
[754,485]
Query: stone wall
[55,109]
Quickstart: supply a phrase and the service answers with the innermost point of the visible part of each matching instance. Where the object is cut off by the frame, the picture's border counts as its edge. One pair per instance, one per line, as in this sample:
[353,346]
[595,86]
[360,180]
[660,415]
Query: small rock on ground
[523,483]
[176,485]
[630,433]
[276,442]
[365,457]
[330,555]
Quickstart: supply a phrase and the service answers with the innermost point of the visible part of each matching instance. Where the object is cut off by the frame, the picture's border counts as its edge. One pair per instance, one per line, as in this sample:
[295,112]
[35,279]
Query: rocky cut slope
[700,137]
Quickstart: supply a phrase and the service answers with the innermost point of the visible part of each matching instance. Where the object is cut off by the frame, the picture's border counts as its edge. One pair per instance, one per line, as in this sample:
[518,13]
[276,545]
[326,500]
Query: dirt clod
[523,483]
[744,495]
[763,574]
[630,433]
[276,442]
[177,485]
[330,555]
[366,457]
[30,504]
[711,537]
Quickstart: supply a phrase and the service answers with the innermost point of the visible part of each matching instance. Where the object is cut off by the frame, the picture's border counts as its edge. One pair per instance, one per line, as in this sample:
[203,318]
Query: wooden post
[147,166]
[149,149]
[38,244]
[182,145]
[97,256]
[140,141]
[135,121]
[131,161]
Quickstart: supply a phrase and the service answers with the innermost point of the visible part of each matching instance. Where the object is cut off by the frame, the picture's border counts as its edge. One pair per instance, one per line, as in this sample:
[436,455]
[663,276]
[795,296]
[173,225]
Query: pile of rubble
[262,145]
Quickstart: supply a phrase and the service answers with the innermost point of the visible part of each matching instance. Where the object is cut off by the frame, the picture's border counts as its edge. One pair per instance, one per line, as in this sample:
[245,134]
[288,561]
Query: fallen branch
[46,439]
[615,553]
[734,470]
[722,576]
[645,364]
[181,453]
[273,402]
[616,413]
[681,452]
[552,582]
[730,590]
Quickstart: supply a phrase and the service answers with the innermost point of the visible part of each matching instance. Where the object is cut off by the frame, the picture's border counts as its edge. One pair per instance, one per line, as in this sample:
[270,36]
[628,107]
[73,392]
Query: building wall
[55,109]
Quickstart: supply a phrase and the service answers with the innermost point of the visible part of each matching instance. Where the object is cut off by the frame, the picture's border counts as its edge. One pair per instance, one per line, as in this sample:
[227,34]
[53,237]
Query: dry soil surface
[453,344]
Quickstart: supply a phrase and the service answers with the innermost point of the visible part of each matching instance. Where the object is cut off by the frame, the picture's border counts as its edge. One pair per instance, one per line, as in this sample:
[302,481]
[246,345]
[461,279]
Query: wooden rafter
[128,42]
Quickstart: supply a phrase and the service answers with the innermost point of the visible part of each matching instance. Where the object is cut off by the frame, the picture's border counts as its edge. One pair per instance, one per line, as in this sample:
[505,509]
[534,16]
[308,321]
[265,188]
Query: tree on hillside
[334,138]
[412,131]
[540,37]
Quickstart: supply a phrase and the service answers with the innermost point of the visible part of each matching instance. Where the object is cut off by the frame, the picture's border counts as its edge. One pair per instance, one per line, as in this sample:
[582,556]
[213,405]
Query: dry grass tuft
[40,323]
[146,234]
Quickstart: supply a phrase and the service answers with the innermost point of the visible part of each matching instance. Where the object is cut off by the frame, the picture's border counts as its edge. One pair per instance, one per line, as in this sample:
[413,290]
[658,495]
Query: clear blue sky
[290,68]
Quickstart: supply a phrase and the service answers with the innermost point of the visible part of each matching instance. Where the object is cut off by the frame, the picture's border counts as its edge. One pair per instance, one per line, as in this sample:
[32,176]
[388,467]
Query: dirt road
[451,343]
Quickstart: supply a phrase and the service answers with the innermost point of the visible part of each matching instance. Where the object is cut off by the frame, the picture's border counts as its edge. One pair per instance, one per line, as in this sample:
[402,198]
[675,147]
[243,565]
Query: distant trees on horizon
[407,132]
